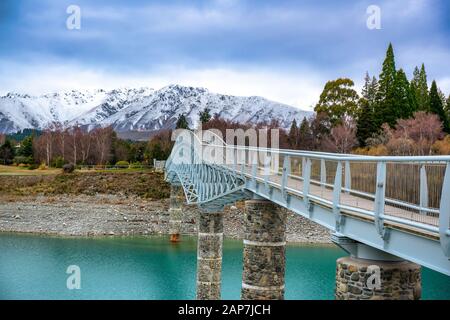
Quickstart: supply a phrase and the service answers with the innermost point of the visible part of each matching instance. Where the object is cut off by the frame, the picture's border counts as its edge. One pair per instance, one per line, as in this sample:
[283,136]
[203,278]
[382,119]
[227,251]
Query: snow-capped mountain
[141,109]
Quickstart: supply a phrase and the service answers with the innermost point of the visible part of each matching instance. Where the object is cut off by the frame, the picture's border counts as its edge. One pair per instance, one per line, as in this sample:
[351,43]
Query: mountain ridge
[136,109]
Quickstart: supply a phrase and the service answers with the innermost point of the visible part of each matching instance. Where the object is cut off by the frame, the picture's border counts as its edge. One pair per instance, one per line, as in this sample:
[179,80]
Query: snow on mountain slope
[141,109]
[23,111]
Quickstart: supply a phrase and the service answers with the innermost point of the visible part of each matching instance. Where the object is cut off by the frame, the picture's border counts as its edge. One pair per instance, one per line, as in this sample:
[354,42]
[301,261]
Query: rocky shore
[115,215]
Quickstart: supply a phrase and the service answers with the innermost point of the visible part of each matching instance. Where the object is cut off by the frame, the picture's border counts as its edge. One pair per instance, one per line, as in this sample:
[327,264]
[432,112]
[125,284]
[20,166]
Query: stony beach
[118,215]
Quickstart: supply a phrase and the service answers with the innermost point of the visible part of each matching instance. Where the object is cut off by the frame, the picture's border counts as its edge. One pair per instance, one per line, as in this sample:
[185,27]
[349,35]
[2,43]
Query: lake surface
[34,267]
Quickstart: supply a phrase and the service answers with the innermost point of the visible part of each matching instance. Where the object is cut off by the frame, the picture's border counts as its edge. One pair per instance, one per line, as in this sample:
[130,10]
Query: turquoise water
[34,267]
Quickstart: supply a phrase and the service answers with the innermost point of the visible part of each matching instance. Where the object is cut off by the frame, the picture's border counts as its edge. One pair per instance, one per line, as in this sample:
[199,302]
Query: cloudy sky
[284,50]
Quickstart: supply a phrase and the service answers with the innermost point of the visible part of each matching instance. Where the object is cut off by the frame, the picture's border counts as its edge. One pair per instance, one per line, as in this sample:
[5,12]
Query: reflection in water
[34,267]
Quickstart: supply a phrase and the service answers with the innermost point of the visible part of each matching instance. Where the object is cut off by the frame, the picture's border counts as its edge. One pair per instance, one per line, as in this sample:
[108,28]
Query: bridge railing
[412,191]
[399,189]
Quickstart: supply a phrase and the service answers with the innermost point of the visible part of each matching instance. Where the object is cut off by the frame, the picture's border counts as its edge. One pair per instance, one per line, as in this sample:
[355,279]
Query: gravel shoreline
[112,215]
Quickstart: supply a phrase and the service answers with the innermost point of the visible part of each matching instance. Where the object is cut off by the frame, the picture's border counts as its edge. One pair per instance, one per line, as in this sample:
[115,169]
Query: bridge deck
[347,198]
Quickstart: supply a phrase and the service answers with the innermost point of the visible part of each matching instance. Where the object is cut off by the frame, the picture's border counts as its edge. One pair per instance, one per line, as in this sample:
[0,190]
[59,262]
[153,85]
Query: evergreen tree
[373,90]
[320,127]
[370,89]
[6,152]
[365,127]
[414,89]
[443,98]
[385,111]
[205,115]
[305,135]
[26,147]
[447,108]
[402,96]
[437,107]
[422,95]
[182,122]
[293,135]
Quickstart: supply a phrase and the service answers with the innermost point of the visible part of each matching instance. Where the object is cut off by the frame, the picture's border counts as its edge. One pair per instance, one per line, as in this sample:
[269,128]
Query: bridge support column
[264,251]
[371,274]
[209,255]
[175,212]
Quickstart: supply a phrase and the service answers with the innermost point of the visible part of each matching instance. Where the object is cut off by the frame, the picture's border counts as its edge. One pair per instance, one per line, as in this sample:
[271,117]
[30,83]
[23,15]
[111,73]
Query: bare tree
[103,142]
[414,136]
[47,136]
[342,138]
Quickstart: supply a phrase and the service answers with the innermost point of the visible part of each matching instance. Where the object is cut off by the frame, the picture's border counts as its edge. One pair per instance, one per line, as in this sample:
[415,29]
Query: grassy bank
[22,171]
[149,185]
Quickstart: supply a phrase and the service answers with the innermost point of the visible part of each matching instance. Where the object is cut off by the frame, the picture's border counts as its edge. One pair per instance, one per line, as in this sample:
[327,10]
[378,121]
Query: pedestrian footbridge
[397,205]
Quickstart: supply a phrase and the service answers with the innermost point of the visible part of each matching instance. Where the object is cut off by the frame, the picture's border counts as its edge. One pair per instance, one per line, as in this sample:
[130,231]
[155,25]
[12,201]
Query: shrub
[378,151]
[68,168]
[22,160]
[58,162]
[136,165]
[122,164]
[42,166]
[441,146]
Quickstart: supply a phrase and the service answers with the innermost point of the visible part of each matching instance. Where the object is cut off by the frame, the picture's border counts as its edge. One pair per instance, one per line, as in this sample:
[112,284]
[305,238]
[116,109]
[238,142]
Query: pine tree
[6,152]
[373,90]
[182,122]
[205,115]
[443,97]
[305,135]
[414,89]
[365,127]
[447,108]
[26,147]
[293,135]
[422,95]
[437,107]
[402,96]
[385,107]
[365,92]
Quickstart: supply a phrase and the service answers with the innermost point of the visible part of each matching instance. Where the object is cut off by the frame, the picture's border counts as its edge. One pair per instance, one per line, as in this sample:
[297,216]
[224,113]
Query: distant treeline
[25,133]
[57,146]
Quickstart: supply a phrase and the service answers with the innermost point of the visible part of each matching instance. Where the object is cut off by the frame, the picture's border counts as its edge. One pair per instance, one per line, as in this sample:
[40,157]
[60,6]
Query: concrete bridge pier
[209,255]
[264,262]
[371,274]
[175,212]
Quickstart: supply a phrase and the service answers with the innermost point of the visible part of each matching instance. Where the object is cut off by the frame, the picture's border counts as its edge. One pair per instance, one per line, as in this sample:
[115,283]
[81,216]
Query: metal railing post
[323,173]
[285,175]
[254,163]
[423,189]
[380,194]
[337,189]
[444,213]
[348,177]
[306,181]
